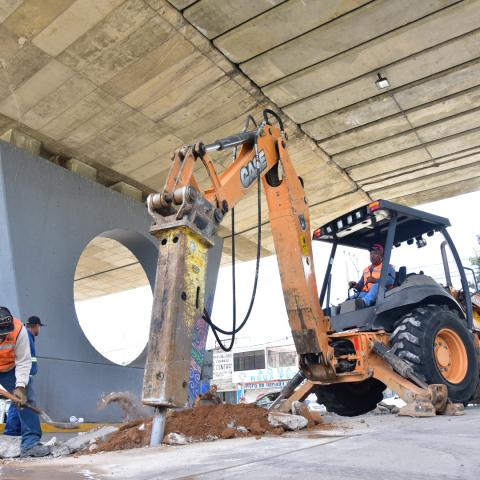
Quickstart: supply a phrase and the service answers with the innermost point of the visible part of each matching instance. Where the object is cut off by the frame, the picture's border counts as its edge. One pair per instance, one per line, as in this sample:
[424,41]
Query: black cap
[34,320]
[6,321]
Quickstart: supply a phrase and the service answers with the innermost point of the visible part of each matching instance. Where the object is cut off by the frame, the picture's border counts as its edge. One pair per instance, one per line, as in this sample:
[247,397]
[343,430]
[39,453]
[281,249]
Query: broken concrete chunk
[176,439]
[286,420]
[242,429]
[60,451]
[9,446]
[82,441]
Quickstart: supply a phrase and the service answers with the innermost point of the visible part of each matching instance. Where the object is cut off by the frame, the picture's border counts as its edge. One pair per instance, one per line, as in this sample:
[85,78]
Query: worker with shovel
[15,366]
[14,425]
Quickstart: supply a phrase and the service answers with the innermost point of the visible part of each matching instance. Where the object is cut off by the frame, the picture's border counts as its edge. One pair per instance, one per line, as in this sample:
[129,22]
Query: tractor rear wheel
[437,344]
[351,399]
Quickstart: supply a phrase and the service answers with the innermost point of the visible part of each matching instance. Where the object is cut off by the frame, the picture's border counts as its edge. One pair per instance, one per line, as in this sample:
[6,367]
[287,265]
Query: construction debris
[176,439]
[287,420]
[205,423]
[9,446]
[83,441]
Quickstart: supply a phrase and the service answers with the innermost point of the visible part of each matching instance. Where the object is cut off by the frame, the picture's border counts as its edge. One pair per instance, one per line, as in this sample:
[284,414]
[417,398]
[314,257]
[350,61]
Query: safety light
[382,82]
[421,242]
[374,206]
[349,219]
[317,233]
[339,224]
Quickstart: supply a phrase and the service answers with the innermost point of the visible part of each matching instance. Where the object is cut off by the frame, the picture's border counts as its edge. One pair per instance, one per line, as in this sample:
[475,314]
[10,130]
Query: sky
[268,322]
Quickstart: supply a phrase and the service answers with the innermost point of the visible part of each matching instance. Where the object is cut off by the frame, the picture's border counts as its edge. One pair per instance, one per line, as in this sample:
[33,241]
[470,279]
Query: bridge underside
[119,84]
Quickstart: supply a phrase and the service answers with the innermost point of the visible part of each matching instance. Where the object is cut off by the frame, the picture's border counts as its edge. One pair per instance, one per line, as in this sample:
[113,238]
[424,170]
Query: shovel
[43,415]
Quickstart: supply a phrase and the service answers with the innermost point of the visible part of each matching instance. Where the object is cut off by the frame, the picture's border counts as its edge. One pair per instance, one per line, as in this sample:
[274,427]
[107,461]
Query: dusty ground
[208,422]
[366,448]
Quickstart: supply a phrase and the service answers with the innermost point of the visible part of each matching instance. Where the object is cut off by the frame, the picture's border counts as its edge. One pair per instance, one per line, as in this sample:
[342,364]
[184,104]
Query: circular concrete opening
[113,300]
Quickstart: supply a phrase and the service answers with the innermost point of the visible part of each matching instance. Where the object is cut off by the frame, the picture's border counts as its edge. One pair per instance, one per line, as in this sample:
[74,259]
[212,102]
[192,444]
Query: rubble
[9,446]
[205,423]
[176,439]
[287,420]
[88,440]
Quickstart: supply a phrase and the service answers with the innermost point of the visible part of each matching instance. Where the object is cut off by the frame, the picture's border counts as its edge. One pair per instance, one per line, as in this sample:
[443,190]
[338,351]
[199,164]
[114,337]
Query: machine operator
[367,286]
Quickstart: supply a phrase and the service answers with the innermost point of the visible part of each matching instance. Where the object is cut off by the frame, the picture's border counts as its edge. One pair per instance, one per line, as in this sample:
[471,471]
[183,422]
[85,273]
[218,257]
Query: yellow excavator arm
[186,221]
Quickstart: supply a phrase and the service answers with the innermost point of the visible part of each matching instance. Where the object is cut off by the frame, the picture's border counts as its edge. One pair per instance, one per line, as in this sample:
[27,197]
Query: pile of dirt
[206,422]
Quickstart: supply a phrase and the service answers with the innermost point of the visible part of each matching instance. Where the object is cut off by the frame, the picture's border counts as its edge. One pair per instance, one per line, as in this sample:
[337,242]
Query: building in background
[253,371]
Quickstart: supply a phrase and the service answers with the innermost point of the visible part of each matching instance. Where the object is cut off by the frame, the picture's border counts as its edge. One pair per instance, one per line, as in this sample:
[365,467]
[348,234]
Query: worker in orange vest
[15,366]
[367,286]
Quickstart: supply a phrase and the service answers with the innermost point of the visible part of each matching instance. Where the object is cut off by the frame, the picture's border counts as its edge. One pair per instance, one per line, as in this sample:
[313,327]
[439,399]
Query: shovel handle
[15,399]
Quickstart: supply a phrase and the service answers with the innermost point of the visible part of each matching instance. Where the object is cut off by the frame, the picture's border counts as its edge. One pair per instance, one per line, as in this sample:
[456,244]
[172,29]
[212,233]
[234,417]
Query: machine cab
[393,226]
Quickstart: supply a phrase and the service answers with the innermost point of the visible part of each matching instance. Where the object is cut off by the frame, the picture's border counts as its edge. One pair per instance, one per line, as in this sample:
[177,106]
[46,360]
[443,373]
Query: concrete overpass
[109,88]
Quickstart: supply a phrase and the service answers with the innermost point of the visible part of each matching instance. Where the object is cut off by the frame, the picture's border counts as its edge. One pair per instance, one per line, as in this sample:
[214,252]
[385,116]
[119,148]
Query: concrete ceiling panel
[445,107]
[332,39]
[454,81]
[67,94]
[35,88]
[214,17]
[429,181]
[72,24]
[351,117]
[369,133]
[279,25]
[439,193]
[400,73]
[402,141]
[7,7]
[416,171]
[32,16]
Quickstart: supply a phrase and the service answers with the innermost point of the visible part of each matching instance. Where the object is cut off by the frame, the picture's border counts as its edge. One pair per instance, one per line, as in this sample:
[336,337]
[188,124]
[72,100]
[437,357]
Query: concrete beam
[388,178]
[22,140]
[71,24]
[447,107]
[427,182]
[265,32]
[314,47]
[81,168]
[341,91]
[214,17]
[128,190]
[440,193]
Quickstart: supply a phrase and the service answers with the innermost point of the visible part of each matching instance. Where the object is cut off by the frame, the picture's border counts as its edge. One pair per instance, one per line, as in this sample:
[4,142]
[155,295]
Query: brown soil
[205,422]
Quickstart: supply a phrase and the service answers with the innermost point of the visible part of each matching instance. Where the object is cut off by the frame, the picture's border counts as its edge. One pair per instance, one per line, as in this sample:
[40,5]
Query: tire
[422,337]
[351,399]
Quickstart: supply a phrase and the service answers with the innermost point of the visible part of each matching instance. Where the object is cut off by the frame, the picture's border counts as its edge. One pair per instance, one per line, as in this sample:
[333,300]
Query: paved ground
[371,447]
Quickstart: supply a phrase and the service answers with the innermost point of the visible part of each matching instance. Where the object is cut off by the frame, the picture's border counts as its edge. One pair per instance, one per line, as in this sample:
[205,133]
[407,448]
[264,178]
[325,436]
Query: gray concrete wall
[48,215]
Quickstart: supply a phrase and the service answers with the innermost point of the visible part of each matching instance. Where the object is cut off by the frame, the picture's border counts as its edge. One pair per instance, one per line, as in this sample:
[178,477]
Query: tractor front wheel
[437,344]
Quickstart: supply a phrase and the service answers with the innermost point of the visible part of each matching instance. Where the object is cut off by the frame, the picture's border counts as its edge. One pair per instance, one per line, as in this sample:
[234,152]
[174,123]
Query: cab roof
[364,226]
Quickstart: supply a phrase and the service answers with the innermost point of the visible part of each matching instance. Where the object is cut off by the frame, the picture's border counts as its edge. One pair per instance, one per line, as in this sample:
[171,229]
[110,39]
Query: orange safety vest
[371,271]
[7,347]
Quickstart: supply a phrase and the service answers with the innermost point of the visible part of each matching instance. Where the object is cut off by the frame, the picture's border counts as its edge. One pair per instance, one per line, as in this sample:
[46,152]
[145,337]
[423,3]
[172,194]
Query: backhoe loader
[417,339]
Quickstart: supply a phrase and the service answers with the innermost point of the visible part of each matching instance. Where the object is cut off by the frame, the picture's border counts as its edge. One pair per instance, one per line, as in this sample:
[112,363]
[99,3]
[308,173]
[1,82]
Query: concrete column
[48,215]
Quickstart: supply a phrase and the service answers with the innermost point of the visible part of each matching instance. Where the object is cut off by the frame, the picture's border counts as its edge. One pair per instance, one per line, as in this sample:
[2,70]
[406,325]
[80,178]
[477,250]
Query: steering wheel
[348,293]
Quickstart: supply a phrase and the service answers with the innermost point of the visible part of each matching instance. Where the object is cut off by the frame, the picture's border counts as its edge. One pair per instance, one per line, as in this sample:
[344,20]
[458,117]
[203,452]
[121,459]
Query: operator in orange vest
[15,366]
[368,284]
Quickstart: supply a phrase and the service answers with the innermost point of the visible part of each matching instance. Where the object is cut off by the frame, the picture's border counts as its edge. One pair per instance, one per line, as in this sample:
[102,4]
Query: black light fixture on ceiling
[382,82]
